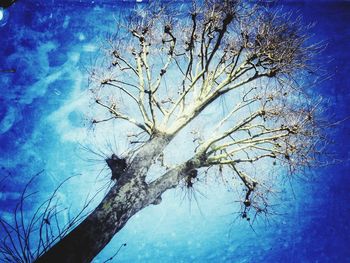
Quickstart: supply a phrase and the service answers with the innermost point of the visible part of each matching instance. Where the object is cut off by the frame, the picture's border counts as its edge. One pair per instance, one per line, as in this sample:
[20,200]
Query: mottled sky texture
[42,118]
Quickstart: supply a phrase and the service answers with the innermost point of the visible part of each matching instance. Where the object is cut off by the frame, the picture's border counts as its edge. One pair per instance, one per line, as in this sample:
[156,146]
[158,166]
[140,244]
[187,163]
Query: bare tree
[26,237]
[171,70]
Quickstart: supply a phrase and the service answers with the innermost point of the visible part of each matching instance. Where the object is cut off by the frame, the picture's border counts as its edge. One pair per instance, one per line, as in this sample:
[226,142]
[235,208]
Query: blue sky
[43,113]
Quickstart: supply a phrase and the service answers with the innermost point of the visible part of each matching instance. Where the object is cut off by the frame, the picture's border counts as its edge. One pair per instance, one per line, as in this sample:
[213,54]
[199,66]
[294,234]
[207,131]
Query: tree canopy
[171,66]
[167,71]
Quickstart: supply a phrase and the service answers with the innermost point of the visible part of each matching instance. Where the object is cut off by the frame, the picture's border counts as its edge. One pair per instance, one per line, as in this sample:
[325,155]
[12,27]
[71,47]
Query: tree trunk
[127,197]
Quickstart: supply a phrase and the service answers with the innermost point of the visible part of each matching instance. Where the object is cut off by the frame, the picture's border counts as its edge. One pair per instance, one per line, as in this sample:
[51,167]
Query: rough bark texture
[126,198]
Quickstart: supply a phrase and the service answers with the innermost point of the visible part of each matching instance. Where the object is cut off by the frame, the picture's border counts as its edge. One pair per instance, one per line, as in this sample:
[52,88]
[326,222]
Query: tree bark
[125,198]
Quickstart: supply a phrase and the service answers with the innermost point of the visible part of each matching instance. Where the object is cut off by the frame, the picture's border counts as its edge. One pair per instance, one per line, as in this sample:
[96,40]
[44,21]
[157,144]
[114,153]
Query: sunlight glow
[3,16]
